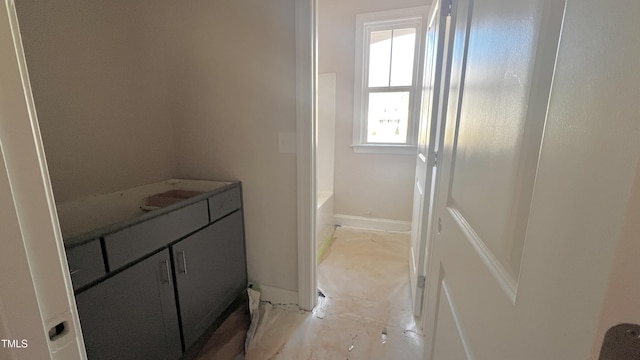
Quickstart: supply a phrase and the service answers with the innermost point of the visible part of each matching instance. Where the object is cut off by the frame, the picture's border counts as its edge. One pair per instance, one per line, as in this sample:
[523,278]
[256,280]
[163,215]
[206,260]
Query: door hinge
[447,7]
[421,281]
[435,158]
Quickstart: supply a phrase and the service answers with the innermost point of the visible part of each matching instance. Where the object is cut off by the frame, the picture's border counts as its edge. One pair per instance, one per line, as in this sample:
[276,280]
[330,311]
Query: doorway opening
[366,184]
[368,179]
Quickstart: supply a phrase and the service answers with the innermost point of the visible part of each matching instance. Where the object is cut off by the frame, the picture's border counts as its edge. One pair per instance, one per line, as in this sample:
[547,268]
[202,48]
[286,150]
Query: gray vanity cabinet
[210,270]
[153,283]
[132,315]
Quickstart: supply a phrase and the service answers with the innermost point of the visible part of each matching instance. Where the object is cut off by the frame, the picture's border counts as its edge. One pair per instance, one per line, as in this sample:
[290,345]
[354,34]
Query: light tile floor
[366,311]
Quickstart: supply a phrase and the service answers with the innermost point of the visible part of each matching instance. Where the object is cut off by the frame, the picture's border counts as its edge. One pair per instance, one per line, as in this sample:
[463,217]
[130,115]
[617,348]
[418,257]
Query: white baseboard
[276,295]
[372,223]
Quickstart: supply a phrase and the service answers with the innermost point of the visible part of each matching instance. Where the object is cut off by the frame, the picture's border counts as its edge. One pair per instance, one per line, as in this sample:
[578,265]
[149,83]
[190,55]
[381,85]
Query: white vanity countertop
[81,217]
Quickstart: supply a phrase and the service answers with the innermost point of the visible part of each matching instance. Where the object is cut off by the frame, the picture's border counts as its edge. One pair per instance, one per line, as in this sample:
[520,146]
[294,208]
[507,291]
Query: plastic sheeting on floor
[365,312]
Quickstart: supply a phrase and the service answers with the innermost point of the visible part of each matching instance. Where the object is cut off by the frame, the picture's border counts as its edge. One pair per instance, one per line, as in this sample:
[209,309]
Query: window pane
[388,117]
[379,58]
[404,44]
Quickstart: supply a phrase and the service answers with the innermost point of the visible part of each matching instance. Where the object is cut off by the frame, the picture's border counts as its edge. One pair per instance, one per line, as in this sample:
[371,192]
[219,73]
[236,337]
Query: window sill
[385,149]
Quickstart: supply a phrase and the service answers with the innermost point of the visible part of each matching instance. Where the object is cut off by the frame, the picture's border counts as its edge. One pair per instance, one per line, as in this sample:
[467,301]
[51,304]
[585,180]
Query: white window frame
[365,24]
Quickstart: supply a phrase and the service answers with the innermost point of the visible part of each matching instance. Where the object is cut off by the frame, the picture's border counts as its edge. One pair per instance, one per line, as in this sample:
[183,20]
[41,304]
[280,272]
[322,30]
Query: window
[387,80]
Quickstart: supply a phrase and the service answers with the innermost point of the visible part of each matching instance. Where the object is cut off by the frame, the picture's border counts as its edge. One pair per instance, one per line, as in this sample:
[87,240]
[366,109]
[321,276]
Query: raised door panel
[133,315]
[449,342]
[211,272]
[492,290]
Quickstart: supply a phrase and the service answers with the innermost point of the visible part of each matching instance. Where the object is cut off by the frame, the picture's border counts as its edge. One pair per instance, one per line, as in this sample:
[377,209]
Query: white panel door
[35,287]
[527,218]
[425,159]
[19,314]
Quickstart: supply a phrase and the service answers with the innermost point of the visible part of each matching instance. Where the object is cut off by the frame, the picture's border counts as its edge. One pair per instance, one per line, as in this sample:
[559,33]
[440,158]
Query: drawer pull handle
[74,271]
[164,269]
[182,262]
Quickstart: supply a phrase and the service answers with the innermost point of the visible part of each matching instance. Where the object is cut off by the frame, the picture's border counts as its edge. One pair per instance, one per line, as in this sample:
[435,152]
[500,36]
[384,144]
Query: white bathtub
[324,222]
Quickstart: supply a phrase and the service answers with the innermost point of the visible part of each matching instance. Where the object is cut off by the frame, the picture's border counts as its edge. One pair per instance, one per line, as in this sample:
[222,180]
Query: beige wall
[234,91]
[371,185]
[130,92]
[97,71]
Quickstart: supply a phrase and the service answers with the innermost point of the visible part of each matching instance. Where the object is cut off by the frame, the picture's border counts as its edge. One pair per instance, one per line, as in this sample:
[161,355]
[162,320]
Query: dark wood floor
[224,341]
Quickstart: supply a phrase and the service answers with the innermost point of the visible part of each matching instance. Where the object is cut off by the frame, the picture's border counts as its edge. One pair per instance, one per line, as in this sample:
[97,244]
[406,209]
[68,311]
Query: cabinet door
[132,315]
[210,271]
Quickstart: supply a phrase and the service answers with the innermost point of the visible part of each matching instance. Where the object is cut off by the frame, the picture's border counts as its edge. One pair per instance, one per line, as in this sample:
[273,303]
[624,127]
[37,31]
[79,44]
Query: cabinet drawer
[224,203]
[86,263]
[138,240]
